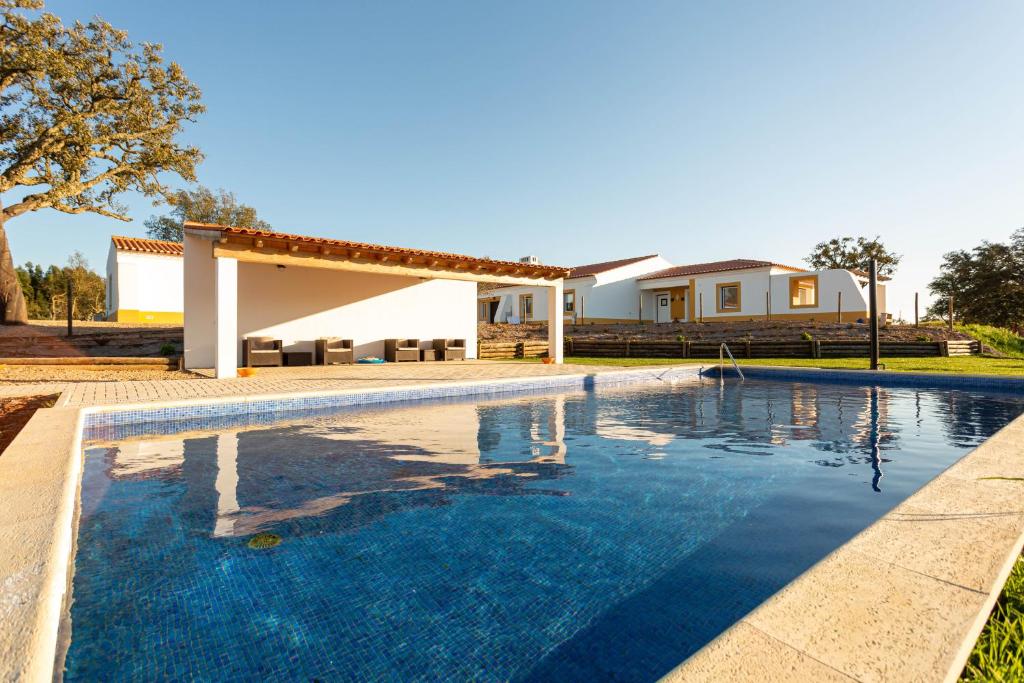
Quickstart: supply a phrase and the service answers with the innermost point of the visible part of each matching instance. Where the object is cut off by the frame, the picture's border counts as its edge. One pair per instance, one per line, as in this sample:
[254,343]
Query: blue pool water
[605,534]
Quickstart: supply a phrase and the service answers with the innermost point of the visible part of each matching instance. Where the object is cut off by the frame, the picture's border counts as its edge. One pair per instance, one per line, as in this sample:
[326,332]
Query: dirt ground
[58,328]
[758,331]
[15,412]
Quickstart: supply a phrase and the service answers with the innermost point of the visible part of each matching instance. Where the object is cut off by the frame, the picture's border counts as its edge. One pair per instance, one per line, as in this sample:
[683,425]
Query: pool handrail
[722,350]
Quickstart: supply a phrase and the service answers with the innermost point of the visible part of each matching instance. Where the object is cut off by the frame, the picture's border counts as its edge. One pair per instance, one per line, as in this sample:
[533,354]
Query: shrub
[680,338]
[807,336]
[922,338]
[168,349]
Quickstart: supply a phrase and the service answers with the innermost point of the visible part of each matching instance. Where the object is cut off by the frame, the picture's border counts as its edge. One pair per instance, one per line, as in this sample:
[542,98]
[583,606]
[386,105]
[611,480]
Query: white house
[648,288]
[144,281]
[745,289]
[598,292]
[241,282]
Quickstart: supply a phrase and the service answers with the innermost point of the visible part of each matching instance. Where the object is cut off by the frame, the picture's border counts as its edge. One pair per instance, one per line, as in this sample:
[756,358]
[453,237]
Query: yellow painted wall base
[126,315]
[608,321]
[847,317]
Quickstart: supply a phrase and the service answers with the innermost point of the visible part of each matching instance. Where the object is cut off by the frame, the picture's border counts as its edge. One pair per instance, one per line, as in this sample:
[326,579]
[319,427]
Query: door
[662,308]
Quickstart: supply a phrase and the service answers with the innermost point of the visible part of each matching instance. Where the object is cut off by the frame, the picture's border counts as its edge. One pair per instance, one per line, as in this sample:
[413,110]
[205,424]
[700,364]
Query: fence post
[520,350]
[839,308]
[686,349]
[627,348]
[944,348]
[640,308]
[815,349]
[746,345]
[767,306]
[71,304]
[582,311]
[917,323]
[700,298]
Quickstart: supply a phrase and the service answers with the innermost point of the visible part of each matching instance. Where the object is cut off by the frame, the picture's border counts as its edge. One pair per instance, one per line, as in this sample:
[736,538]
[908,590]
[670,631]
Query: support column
[556,335]
[225,351]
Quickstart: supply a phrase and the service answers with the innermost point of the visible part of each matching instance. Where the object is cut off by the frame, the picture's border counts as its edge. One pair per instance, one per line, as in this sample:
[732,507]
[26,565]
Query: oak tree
[202,205]
[853,254]
[85,115]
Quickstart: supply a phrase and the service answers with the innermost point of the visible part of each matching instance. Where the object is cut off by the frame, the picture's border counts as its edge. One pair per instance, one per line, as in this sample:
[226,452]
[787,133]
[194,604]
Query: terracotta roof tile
[379,249]
[147,246]
[715,267]
[595,268]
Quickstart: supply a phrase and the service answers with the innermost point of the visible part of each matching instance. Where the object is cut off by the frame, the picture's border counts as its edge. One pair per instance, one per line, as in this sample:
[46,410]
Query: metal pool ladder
[723,349]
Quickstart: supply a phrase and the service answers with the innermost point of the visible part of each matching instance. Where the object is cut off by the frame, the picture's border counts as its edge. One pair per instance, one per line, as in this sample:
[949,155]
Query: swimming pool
[608,533]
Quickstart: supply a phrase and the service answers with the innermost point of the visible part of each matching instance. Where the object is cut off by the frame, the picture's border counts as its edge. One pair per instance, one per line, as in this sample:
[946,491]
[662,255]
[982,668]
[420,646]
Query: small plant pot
[547,361]
[246,372]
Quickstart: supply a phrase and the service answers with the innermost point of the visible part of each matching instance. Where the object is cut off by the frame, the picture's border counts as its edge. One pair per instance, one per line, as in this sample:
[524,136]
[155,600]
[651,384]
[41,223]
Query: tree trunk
[11,297]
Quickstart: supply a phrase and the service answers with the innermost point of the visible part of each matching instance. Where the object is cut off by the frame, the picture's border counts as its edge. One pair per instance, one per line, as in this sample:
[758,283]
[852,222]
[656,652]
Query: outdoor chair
[398,350]
[262,352]
[450,349]
[331,350]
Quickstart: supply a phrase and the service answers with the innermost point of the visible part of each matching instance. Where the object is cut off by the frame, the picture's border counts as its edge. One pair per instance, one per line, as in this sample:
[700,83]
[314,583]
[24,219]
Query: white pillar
[225,350]
[556,335]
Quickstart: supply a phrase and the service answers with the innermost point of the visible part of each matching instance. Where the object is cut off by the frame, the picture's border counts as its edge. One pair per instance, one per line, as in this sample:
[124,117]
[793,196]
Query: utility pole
[873,311]
[839,307]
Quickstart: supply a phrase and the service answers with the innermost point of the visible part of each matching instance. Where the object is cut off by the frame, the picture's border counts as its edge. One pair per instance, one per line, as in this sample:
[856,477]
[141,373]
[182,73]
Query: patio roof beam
[356,261]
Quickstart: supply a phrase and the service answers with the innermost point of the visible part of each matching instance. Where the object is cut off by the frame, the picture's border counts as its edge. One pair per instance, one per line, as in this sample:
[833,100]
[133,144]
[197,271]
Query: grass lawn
[999,652]
[968,365]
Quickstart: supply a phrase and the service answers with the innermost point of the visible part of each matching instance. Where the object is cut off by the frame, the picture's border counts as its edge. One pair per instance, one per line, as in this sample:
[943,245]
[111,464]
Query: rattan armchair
[450,349]
[398,350]
[331,350]
[262,352]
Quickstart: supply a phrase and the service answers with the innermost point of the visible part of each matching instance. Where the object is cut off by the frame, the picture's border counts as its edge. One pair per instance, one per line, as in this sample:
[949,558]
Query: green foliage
[999,653]
[87,116]
[45,292]
[807,336]
[680,338]
[853,254]
[168,349]
[957,365]
[986,283]
[1001,339]
[922,338]
[202,206]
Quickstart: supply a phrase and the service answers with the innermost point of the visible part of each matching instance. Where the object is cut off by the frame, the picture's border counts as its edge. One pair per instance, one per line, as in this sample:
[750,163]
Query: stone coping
[904,600]
[890,378]
[40,480]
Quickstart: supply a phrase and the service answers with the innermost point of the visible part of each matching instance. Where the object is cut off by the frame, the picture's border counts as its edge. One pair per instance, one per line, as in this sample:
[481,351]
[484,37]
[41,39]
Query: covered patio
[241,282]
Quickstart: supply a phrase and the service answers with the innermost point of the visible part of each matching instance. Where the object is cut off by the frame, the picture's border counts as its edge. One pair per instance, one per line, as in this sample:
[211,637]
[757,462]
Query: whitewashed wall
[144,282]
[298,305]
[611,294]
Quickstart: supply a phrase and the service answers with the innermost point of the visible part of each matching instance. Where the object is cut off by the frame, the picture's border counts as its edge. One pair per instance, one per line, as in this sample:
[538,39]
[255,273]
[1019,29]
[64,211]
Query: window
[803,291]
[569,300]
[728,298]
[526,306]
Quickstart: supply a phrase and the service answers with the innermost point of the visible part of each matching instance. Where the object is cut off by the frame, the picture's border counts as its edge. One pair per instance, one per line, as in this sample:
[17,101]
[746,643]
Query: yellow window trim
[522,306]
[794,290]
[718,297]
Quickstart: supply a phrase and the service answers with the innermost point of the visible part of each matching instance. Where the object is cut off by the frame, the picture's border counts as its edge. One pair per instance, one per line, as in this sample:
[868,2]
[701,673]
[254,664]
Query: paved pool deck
[279,381]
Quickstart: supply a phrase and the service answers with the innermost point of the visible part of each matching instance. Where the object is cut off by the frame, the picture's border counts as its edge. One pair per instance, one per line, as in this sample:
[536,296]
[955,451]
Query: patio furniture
[450,349]
[298,358]
[331,350]
[262,352]
[398,350]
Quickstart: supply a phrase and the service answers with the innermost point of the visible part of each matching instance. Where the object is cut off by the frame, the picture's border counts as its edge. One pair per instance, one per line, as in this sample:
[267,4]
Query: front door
[662,307]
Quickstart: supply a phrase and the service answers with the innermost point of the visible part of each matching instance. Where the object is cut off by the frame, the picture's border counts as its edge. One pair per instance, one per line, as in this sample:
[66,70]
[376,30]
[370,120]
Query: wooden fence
[634,348]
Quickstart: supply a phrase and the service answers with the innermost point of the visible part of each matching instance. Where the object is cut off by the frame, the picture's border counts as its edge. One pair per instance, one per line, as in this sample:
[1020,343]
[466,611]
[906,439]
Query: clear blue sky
[586,131]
